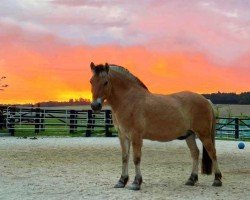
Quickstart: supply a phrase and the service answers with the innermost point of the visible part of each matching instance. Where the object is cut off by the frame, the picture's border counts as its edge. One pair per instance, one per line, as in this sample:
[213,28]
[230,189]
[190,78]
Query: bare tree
[2,86]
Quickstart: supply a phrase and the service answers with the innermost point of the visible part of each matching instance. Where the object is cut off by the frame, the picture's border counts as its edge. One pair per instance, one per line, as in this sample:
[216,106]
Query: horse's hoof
[190,182]
[192,179]
[134,186]
[122,182]
[217,183]
[119,185]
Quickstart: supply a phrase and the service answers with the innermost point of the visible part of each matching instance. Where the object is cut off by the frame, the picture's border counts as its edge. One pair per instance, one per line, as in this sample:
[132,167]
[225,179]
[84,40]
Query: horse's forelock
[99,69]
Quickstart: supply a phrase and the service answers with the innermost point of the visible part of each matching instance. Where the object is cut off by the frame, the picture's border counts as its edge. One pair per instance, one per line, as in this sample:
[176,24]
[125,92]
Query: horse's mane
[124,71]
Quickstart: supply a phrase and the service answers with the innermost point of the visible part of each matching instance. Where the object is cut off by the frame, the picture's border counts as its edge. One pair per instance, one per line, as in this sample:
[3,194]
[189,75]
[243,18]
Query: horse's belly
[162,137]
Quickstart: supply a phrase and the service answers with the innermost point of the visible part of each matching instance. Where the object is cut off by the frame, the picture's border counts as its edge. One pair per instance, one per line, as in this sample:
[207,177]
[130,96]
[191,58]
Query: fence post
[72,121]
[37,120]
[42,127]
[89,123]
[236,128]
[1,119]
[11,121]
[75,121]
[107,123]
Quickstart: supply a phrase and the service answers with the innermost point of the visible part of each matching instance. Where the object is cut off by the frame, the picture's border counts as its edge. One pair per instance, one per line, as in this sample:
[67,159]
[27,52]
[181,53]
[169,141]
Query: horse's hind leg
[125,146]
[209,145]
[195,157]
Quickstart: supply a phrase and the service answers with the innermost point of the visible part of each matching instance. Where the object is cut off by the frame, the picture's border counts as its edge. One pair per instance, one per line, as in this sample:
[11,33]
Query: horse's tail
[207,164]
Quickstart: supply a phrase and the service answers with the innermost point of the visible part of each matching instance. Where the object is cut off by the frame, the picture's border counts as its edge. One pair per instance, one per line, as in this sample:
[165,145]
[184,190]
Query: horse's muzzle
[96,105]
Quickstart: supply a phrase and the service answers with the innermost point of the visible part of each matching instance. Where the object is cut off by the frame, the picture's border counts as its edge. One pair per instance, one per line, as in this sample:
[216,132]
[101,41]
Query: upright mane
[126,72]
[122,70]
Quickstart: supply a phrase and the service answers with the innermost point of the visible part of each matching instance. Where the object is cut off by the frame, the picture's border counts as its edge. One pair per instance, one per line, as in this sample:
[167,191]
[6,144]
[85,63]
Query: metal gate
[233,128]
[51,119]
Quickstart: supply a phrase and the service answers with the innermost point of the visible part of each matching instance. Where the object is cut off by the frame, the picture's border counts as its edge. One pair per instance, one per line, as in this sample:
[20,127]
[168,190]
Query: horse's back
[185,101]
[190,99]
[194,103]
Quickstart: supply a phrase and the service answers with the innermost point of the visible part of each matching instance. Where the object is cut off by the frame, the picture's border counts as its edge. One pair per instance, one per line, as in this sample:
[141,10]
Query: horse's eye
[90,81]
[106,83]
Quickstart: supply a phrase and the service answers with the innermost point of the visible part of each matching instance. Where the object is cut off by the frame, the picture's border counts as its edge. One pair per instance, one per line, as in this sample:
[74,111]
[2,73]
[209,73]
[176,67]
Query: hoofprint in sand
[88,168]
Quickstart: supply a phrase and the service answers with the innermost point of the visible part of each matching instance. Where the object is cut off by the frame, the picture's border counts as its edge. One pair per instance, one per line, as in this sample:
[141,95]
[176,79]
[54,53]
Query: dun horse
[138,114]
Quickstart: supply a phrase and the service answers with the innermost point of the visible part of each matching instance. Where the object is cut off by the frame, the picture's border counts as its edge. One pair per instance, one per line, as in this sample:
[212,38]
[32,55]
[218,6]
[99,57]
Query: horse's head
[100,85]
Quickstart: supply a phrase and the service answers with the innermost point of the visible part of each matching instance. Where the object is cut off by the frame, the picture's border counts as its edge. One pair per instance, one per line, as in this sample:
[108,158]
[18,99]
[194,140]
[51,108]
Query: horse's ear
[106,67]
[92,66]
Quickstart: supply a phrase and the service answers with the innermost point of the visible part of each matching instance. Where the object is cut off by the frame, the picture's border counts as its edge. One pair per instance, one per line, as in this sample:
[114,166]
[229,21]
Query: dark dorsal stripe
[120,69]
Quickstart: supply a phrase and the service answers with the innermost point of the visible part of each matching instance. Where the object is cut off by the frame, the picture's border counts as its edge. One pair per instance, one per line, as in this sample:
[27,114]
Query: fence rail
[233,127]
[46,119]
[71,121]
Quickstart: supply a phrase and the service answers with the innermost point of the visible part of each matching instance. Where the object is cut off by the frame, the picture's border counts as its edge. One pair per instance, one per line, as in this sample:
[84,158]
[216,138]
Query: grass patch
[29,131]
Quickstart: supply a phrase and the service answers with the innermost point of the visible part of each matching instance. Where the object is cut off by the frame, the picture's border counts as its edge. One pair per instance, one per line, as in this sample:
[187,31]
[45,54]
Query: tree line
[70,102]
[229,98]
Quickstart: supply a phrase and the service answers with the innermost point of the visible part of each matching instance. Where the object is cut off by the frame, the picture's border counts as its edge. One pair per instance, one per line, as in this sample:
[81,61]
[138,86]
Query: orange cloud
[50,70]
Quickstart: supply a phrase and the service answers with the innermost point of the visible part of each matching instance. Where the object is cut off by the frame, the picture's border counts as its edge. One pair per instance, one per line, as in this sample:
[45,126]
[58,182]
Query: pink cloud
[79,2]
[191,27]
[170,45]
[219,30]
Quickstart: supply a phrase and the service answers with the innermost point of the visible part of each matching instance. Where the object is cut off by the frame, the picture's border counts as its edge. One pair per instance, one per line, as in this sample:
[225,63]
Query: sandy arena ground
[88,168]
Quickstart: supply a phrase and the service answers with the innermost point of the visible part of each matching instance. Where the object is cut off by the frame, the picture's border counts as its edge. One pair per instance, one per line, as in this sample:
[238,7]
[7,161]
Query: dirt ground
[88,168]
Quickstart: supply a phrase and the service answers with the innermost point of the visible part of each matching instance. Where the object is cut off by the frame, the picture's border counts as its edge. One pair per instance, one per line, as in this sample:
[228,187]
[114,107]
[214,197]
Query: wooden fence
[72,121]
[233,127]
[44,119]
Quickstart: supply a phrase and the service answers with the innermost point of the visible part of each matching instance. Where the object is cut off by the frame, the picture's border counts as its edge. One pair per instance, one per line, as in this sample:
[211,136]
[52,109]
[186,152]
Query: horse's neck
[122,91]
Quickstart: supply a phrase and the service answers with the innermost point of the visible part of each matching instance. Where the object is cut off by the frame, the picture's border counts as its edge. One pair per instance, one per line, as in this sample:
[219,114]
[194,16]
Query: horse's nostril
[96,106]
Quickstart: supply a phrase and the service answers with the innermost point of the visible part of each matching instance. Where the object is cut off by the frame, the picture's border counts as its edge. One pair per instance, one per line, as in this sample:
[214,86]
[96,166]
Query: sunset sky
[46,46]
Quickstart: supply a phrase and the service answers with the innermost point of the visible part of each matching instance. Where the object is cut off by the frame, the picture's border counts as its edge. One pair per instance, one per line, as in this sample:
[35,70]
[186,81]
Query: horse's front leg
[137,145]
[125,146]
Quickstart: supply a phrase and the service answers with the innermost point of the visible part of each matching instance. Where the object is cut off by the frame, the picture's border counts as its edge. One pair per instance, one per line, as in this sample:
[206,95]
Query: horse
[139,114]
